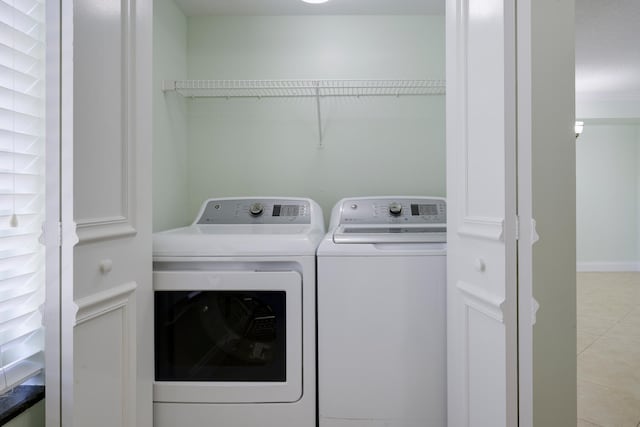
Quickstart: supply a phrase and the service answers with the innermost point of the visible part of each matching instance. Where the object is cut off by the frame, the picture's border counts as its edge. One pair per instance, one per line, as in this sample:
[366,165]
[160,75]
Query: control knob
[256,209]
[395,208]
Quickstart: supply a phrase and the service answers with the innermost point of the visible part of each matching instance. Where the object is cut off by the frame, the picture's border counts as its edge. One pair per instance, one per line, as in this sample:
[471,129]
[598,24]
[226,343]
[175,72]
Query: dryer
[235,337]
[381,314]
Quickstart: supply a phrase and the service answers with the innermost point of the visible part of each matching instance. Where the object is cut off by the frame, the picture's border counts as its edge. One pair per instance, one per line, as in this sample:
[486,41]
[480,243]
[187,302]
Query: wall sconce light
[579,127]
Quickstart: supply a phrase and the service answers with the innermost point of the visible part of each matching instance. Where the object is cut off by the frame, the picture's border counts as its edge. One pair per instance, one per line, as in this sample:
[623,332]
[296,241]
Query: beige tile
[594,325]
[614,363]
[610,307]
[621,294]
[628,328]
[585,340]
[585,423]
[634,315]
[608,366]
[605,282]
[607,407]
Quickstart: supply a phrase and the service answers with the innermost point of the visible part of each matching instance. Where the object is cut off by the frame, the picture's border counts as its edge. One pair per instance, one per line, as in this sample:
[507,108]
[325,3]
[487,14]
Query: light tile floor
[608,349]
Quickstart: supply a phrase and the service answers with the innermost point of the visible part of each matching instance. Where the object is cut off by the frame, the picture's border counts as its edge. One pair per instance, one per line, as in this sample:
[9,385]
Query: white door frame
[527,306]
[52,234]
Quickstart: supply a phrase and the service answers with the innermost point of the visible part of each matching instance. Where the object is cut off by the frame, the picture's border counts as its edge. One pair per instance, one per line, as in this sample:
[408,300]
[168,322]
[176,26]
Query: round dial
[395,208]
[256,209]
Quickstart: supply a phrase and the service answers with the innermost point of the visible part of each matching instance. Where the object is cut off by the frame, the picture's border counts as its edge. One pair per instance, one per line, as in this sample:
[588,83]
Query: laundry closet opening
[384,142]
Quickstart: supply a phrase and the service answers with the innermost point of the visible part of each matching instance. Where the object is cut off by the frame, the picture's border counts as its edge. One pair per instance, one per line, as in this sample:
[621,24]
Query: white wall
[170,132]
[32,417]
[607,173]
[372,146]
[601,107]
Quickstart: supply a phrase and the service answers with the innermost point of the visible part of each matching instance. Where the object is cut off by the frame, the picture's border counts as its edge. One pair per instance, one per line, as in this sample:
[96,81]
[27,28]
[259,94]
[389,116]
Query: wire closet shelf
[302,88]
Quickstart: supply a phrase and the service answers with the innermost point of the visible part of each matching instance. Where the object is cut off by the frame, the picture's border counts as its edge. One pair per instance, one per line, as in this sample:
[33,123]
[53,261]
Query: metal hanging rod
[302,88]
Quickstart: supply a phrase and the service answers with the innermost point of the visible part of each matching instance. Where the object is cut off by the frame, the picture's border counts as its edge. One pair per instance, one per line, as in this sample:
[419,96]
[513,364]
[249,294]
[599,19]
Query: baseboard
[608,266]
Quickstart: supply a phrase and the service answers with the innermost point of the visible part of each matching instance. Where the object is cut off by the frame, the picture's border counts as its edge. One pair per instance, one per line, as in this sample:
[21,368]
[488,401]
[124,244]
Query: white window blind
[22,66]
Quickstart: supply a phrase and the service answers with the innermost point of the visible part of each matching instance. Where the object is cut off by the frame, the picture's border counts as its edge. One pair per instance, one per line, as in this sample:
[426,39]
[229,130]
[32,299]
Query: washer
[381,314]
[235,338]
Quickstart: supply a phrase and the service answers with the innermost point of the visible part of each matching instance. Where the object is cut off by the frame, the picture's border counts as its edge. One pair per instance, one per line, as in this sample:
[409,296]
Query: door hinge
[59,234]
[517,227]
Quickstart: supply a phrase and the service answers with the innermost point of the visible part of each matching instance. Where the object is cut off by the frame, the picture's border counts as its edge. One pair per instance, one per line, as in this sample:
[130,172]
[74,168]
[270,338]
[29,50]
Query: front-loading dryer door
[228,336]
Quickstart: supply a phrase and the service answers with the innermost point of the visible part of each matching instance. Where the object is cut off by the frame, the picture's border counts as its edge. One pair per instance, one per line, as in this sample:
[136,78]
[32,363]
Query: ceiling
[607,33]
[608,49]
[297,7]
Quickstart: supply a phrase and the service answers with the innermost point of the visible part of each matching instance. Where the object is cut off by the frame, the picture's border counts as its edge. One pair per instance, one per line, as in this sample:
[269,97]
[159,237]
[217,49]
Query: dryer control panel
[399,210]
[255,211]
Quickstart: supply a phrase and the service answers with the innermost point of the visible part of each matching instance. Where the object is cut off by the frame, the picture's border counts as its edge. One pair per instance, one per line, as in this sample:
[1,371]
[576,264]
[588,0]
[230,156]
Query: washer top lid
[394,219]
[264,226]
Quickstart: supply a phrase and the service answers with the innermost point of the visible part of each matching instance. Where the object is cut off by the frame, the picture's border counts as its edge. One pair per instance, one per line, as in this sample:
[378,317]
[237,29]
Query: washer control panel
[398,210]
[255,211]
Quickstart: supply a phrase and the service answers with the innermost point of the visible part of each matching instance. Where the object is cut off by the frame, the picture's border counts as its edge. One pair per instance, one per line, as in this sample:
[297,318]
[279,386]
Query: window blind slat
[18,154]
[22,202]
[11,292]
[19,60]
[8,263]
[20,102]
[16,273]
[23,142]
[20,352]
[8,114]
[29,6]
[17,251]
[30,73]
[15,17]
[21,82]
[19,326]
[24,39]
[19,98]
[19,282]
[19,305]
[21,371]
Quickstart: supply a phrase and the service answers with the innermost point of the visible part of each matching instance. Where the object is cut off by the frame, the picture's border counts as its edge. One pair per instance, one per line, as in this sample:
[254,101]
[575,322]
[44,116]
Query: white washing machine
[381,314]
[235,321]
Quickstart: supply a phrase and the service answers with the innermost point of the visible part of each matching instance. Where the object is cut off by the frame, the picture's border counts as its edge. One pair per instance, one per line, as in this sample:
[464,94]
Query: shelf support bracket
[168,85]
[317,84]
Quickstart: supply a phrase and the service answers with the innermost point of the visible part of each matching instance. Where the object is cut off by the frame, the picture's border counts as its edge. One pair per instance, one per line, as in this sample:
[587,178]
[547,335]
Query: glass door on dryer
[233,336]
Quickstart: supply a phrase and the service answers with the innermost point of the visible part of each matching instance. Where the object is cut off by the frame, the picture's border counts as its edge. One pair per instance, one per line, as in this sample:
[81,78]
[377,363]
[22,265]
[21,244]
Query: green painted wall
[607,173]
[372,146]
[170,132]
[32,417]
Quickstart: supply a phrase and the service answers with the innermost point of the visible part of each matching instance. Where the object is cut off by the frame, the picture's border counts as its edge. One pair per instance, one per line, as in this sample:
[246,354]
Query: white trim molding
[482,301]
[483,228]
[104,302]
[608,266]
[104,229]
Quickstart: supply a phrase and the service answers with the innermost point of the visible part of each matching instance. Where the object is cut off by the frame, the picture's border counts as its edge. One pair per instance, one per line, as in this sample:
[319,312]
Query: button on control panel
[256,211]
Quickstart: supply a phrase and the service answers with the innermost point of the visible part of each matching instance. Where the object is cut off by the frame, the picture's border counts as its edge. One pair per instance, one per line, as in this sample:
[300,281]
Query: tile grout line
[592,422]
[592,343]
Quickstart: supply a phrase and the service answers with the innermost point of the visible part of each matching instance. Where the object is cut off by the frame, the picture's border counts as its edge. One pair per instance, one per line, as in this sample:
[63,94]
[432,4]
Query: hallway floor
[608,349]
